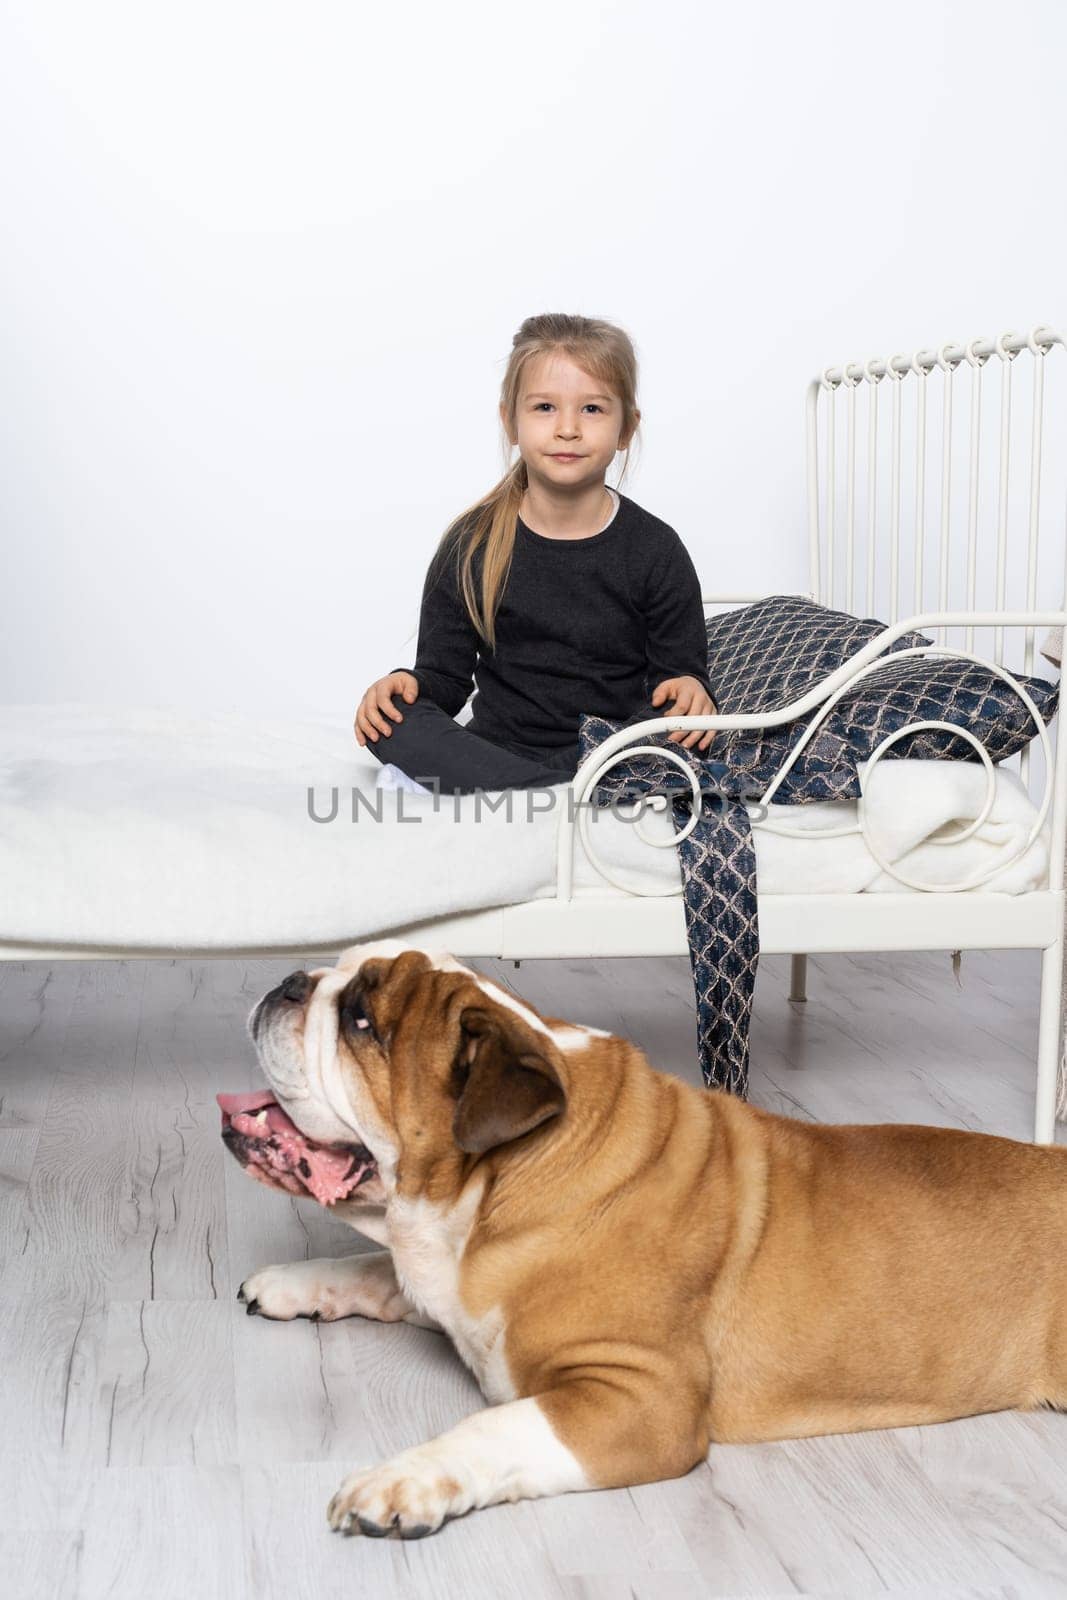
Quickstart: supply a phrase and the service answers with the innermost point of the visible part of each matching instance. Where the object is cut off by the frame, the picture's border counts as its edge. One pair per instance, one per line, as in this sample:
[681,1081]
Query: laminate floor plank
[35,1006]
[53,1295]
[293,1553]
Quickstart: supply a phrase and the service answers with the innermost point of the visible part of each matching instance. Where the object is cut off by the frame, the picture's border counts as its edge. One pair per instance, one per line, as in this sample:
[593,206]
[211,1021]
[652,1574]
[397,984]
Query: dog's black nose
[297,987]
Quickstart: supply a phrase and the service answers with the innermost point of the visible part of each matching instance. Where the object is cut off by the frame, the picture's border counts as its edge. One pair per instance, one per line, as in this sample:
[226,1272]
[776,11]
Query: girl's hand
[690,699]
[377,704]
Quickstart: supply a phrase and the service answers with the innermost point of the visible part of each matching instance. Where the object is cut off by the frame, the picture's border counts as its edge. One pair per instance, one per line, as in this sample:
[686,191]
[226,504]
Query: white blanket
[154,828]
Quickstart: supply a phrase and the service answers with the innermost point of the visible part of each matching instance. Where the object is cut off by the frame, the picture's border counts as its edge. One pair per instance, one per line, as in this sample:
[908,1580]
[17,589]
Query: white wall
[263,265]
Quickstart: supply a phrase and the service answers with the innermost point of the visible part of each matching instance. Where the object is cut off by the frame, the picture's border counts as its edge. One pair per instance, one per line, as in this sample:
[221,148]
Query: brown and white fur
[634,1268]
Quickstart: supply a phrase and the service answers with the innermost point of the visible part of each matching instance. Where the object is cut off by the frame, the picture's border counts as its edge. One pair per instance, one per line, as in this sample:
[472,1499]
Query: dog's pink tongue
[283,1154]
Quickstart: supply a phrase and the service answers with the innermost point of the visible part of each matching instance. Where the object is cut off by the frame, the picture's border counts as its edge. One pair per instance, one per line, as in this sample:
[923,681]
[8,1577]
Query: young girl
[554,594]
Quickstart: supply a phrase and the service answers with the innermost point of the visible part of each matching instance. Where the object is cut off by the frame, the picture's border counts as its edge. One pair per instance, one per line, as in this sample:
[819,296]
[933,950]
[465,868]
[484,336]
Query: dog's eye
[354,1015]
[458,1077]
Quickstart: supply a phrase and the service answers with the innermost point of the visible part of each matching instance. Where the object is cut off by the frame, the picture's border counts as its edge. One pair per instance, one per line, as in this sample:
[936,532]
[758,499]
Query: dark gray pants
[429,745]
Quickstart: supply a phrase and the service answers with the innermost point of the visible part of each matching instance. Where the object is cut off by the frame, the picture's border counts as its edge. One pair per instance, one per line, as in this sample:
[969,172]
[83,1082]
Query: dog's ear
[504,1077]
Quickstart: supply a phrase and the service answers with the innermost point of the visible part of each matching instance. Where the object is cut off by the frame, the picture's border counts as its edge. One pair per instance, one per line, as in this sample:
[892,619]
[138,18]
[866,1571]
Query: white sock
[390,777]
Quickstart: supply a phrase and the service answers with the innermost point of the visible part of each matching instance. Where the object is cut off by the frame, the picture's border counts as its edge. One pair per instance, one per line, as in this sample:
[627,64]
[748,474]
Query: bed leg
[1049,1043]
[798,978]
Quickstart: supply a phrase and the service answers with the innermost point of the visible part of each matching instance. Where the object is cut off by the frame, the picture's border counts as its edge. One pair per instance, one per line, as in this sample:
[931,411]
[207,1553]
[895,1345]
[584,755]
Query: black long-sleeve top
[589,625]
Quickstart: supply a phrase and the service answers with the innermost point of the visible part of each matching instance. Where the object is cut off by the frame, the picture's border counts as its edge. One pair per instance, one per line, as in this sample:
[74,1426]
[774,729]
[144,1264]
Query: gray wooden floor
[154,1439]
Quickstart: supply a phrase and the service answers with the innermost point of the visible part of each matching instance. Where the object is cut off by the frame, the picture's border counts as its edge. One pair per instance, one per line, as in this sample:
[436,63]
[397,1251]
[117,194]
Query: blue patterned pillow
[941,689]
[765,655]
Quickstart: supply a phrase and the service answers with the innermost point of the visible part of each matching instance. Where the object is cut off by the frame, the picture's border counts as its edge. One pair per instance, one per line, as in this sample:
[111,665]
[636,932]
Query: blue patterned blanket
[760,658]
[718,863]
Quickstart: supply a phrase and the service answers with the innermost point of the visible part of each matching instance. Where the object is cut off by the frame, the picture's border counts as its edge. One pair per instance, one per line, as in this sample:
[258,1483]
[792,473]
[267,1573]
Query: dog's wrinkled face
[393,1067]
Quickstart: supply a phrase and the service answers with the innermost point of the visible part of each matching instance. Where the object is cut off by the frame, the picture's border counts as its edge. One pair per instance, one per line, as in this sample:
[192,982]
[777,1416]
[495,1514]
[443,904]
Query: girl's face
[568,424]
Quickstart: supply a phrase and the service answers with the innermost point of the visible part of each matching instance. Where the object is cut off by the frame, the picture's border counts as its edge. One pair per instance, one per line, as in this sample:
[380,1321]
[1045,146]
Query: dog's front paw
[295,1289]
[406,1498]
[363,1285]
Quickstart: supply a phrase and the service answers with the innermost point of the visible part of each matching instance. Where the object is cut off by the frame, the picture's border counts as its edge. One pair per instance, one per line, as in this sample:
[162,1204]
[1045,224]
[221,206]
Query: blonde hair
[599,348]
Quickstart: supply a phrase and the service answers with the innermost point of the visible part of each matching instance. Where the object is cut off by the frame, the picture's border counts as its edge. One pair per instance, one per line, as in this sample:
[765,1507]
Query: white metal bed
[877,507]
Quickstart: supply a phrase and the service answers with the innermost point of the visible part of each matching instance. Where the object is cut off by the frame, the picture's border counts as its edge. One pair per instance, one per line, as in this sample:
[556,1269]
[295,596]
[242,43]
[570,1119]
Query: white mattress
[156,828]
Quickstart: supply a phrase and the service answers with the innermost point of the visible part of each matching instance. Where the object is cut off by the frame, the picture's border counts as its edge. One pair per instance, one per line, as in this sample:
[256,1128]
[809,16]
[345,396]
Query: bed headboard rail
[938,482]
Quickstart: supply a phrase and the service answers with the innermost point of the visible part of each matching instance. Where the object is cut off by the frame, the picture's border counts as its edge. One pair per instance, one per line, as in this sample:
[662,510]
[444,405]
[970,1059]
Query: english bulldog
[632,1268]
